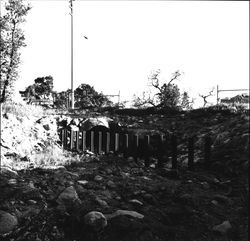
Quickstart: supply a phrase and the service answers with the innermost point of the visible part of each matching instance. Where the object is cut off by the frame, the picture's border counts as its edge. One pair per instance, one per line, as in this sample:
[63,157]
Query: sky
[208,41]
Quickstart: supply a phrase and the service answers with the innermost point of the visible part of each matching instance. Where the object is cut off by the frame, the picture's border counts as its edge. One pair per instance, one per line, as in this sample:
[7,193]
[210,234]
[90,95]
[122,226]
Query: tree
[86,96]
[12,39]
[204,97]
[167,94]
[41,89]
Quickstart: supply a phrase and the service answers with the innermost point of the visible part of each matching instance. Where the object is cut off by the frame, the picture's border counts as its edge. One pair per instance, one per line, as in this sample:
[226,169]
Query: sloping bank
[28,136]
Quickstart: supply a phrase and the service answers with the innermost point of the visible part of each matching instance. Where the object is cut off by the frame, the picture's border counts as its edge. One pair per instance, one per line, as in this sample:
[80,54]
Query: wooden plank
[92,143]
[99,142]
[71,140]
[77,140]
[108,143]
[116,142]
[83,140]
[62,133]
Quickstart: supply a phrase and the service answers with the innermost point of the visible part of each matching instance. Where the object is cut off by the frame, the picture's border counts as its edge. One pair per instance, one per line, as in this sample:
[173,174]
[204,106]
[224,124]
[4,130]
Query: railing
[144,146]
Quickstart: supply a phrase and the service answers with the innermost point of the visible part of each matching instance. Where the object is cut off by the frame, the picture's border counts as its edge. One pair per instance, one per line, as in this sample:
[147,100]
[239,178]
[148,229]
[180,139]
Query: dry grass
[22,110]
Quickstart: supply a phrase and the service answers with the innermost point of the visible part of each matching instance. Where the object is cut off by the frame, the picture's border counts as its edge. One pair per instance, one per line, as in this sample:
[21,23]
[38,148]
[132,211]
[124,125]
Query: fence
[132,145]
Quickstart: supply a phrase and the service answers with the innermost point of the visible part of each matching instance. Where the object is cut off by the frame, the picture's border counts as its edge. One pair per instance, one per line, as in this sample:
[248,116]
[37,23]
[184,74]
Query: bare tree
[167,94]
[204,97]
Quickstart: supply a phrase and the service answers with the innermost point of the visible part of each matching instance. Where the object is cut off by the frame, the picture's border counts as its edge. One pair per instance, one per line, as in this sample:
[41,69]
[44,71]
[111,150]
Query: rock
[222,198]
[111,184]
[7,222]
[82,182]
[101,202]
[69,195]
[96,220]
[214,202]
[98,178]
[136,202]
[8,172]
[133,214]
[12,181]
[205,185]
[222,228]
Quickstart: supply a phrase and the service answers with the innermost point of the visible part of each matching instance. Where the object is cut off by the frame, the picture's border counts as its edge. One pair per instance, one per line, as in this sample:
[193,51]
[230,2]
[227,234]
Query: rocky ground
[113,198]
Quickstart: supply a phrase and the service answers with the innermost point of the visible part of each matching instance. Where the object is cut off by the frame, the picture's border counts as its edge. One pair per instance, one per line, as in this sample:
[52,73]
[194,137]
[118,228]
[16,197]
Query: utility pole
[72,76]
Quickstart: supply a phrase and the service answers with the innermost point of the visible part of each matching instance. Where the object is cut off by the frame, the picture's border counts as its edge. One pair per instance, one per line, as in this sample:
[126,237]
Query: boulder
[7,222]
[95,220]
[222,228]
[133,214]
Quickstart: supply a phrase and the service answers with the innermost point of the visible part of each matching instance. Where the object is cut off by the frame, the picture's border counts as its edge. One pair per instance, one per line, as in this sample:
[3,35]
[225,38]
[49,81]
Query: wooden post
[174,152]
[92,144]
[71,140]
[99,142]
[135,146]
[146,151]
[116,142]
[62,137]
[77,140]
[207,150]
[125,148]
[83,140]
[65,141]
[190,152]
[108,143]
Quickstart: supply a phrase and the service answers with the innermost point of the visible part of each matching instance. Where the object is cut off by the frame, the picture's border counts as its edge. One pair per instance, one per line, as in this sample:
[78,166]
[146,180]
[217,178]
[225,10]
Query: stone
[101,202]
[8,172]
[222,198]
[136,202]
[69,195]
[133,214]
[111,184]
[7,222]
[96,220]
[82,182]
[222,228]
[98,178]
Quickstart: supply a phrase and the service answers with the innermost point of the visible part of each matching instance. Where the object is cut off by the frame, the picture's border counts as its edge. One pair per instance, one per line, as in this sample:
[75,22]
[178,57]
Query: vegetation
[41,89]
[12,39]
[167,94]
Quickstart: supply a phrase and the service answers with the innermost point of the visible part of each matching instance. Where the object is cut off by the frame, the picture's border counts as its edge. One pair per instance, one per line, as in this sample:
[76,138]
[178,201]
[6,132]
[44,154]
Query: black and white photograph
[124,120]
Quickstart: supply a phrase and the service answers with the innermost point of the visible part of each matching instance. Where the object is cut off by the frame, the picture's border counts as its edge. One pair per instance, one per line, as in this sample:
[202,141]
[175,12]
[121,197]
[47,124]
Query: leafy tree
[167,94]
[41,89]
[12,39]
[86,96]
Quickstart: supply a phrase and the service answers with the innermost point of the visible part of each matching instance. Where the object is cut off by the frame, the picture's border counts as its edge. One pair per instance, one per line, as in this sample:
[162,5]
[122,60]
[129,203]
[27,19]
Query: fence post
[116,142]
[99,142]
[124,147]
[71,140]
[66,138]
[108,143]
[190,152]
[174,152]
[135,146]
[147,143]
[77,140]
[83,140]
[92,144]
[62,137]
[207,150]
